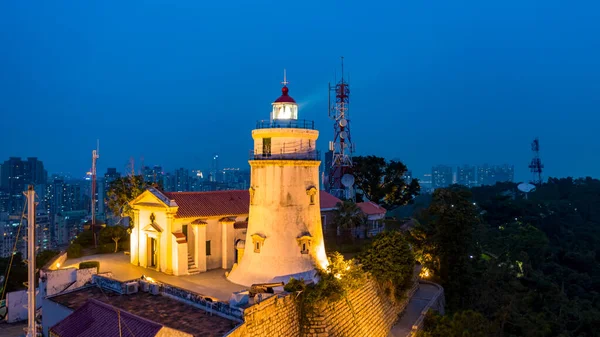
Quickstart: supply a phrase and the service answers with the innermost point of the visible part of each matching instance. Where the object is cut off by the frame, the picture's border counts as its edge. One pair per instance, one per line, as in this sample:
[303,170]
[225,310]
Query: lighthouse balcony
[285,124]
[283,155]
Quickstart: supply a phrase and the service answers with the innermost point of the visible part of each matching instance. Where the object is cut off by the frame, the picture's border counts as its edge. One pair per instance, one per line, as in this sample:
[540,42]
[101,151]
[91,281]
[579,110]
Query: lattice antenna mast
[536,165]
[95,156]
[342,147]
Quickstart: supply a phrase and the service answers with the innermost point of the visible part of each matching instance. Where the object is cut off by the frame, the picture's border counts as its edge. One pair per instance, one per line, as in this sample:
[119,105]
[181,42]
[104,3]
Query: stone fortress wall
[371,313]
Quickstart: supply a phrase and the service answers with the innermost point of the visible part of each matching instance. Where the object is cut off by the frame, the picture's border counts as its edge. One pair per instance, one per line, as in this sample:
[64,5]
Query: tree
[446,239]
[390,260]
[44,257]
[347,216]
[121,191]
[462,324]
[383,182]
[113,233]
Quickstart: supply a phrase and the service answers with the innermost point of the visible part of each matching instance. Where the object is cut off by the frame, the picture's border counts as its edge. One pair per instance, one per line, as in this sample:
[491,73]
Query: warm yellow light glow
[424,273]
[57,264]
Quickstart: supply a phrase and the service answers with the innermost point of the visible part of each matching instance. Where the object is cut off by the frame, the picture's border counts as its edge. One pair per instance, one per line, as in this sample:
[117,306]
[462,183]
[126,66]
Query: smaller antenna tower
[95,156]
[536,165]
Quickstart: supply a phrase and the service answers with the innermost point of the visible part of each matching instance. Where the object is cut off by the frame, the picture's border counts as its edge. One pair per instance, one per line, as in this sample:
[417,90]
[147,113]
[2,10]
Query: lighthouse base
[247,275]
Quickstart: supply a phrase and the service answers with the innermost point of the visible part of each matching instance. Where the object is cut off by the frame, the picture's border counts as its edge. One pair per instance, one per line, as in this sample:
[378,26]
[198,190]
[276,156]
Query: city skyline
[472,82]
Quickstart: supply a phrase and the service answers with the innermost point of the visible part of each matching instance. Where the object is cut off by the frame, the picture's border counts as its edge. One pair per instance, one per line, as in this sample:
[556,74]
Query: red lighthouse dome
[285,98]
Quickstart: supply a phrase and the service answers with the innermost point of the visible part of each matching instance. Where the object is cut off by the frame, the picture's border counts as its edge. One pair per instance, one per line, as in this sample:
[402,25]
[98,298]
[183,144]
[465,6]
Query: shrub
[334,283]
[74,251]
[90,264]
[106,248]
[391,262]
[124,244]
[44,257]
[85,239]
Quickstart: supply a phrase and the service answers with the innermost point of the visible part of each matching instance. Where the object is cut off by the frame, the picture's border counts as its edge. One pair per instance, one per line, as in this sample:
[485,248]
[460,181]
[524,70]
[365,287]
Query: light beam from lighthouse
[284,237]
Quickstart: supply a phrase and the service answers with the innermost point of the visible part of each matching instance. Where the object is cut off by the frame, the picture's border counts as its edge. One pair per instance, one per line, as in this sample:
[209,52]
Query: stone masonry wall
[368,312]
[275,316]
[371,314]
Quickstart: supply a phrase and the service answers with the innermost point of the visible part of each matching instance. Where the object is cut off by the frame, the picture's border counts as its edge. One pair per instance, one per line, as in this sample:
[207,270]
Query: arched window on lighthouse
[312,193]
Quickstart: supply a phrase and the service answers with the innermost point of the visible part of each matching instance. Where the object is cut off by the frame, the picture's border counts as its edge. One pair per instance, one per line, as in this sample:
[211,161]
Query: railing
[286,124]
[206,303]
[309,155]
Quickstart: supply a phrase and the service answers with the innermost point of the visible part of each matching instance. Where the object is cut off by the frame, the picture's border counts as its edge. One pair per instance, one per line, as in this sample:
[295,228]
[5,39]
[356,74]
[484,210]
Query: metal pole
[31,262]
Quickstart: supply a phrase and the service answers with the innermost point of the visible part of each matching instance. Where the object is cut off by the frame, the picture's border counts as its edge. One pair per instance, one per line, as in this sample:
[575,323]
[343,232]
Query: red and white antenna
[341,180]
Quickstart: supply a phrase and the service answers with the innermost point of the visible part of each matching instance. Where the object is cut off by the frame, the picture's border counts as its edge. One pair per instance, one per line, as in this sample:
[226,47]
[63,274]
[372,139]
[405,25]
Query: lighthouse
[284,238]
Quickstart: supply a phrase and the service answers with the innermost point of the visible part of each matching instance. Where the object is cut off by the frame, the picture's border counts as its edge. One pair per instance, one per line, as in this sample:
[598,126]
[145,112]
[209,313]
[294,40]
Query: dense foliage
[535,269]
[466,323]
[18,271]
[114,234]
[383,182]
[346,216]
[121,191]
[334,283]
[446,240]
[74,251]
[390,261]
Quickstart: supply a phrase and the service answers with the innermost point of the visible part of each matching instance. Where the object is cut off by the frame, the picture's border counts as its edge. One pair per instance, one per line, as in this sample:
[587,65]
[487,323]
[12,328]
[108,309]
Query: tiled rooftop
[157,308]
[219,203]
[206,204]
[371,208]
[328,201]
[98,319]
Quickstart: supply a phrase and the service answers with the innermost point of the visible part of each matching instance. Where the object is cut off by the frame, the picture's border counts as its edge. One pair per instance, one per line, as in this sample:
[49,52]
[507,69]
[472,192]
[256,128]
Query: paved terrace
[211,283]
[160,309]
[413,310]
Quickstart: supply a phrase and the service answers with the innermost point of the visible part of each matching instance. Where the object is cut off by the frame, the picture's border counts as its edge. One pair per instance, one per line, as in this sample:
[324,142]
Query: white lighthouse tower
[284,236]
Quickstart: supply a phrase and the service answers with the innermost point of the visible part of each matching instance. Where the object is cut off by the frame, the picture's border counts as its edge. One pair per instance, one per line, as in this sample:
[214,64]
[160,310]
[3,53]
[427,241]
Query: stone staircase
[191,268]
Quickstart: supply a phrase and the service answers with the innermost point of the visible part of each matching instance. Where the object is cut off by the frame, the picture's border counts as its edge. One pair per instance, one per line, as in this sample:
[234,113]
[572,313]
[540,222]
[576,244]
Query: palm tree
[347,216]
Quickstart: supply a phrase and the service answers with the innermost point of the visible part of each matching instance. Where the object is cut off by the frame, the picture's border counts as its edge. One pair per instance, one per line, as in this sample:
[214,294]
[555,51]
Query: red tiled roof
[97,319]
[371,208]
[328,200]
[219,203]
[179,237]
[199,222]
[206,204]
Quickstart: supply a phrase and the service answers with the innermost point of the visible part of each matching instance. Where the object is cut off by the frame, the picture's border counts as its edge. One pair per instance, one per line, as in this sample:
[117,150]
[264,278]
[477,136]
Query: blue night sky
[433,82]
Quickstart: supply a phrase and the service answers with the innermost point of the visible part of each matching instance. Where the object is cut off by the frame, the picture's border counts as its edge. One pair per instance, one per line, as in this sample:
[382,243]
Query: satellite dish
[343,122]
[343,134]
[526,187]
[347,180]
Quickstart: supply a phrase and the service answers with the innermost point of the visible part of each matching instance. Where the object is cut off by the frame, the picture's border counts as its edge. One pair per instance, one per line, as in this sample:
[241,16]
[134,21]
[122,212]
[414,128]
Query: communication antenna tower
[341,147]
[95,156]
[536,165]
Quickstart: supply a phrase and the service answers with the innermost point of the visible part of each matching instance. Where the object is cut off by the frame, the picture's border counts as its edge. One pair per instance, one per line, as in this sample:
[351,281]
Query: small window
[304,244]
[257,240]
[208,248]
[266,147]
